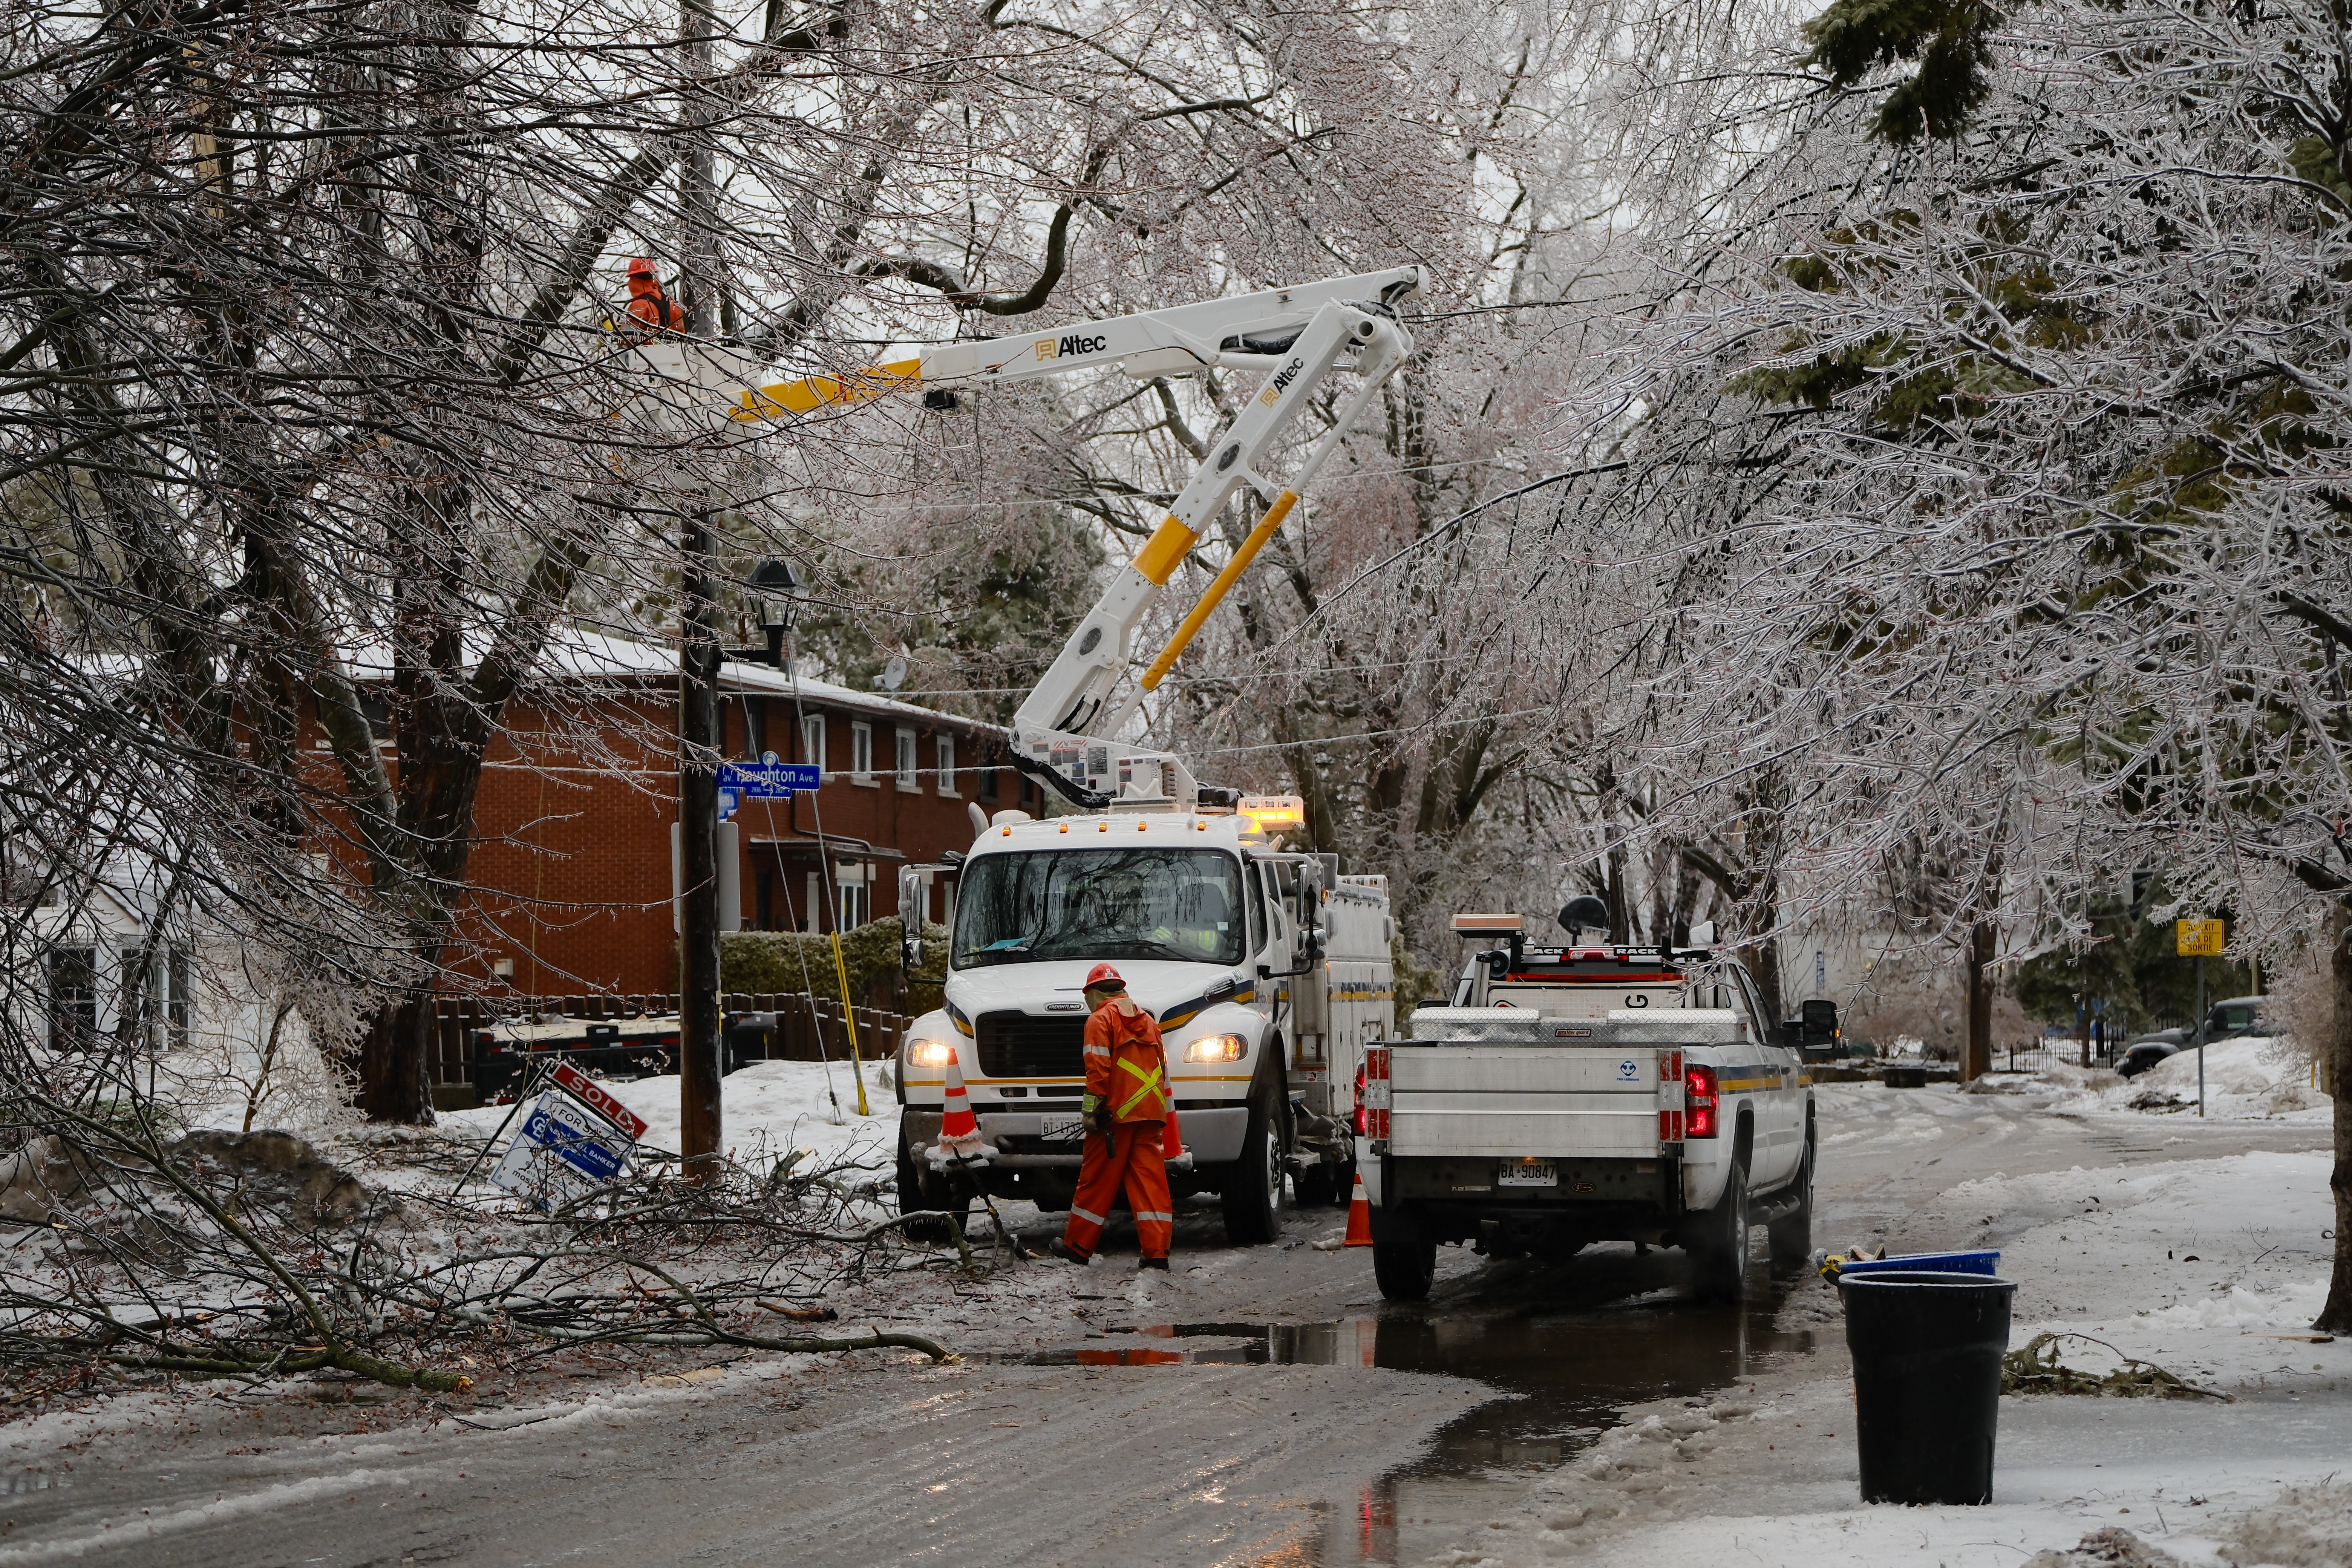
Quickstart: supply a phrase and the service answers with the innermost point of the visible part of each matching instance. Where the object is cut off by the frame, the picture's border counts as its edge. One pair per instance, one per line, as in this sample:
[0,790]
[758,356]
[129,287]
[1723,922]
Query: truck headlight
[1217,1049]
[929,1053]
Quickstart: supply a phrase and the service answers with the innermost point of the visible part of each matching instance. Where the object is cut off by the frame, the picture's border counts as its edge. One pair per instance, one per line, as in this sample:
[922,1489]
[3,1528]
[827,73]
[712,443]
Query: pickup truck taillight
[1372,1093]
[1698,1103]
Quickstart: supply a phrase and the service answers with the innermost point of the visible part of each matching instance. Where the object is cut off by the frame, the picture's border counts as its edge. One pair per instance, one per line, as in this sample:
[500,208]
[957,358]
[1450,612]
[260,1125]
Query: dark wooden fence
[807,1029]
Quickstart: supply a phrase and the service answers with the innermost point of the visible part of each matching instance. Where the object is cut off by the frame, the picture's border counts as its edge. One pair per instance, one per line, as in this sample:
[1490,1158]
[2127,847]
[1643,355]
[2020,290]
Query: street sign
[2196,938]
[768,781]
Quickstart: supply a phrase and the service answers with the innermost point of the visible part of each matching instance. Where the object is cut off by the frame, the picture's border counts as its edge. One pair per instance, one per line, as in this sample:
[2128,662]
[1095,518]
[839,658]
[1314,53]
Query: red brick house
[570,870]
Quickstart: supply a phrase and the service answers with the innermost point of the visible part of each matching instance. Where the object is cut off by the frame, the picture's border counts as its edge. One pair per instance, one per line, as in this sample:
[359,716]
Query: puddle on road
[1573,1341]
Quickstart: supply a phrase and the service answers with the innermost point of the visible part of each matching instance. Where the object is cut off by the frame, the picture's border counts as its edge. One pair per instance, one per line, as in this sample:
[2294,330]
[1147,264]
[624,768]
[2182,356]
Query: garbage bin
[1926,1382]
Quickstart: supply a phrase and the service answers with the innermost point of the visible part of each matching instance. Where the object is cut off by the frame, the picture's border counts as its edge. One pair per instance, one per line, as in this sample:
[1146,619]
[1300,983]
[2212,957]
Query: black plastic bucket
[1926,1382]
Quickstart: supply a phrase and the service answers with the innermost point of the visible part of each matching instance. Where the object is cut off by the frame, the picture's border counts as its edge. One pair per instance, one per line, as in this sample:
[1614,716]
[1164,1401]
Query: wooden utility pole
[699,737]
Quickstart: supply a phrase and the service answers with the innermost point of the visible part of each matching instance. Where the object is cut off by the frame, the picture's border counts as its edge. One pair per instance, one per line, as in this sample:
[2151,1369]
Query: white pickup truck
[1581,1094]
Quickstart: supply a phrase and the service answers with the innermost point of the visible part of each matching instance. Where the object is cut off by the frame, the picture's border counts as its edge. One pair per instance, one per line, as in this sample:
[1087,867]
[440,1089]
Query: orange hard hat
[641,266]
[1104,977]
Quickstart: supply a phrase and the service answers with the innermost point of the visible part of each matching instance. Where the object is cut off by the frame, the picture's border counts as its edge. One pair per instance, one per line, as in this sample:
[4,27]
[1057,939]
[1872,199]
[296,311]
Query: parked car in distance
[2146,1051]
[2235,1016]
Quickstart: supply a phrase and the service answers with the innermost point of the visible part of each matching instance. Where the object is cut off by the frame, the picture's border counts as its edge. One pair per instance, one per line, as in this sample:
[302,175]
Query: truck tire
[1251,1190]
[1719,1255]
[1791,1230]
[1405,1270]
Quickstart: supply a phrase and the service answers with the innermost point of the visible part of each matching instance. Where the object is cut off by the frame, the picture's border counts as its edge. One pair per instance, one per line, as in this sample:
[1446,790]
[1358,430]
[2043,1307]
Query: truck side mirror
[910,920]
[1310,908]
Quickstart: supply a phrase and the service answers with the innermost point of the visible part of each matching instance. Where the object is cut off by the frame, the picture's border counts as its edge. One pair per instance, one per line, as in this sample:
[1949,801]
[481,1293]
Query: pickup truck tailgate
[1510,1100]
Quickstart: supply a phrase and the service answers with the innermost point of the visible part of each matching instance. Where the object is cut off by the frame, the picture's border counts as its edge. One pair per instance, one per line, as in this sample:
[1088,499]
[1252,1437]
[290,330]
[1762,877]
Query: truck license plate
[1526,1173]
[1062,1128]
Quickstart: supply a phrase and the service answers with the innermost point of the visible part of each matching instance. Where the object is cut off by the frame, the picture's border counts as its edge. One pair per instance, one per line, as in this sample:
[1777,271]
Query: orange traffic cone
[959,1137]
[1360,1217]
[1171,1145]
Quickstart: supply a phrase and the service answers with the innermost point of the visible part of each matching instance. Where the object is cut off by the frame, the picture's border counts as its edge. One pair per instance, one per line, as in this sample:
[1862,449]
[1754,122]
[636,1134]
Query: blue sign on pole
[765,781]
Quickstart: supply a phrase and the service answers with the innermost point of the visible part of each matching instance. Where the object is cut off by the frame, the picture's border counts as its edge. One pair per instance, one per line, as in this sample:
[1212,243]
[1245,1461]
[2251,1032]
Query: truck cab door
[1780,1105]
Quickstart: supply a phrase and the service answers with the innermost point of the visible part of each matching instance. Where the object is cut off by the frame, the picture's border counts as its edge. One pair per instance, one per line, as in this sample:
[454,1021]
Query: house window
[988,783]
[755,727]
[163,976]
[861,753]
[813,740]
[73,998]
[908,766]
[857,905]
[947,764]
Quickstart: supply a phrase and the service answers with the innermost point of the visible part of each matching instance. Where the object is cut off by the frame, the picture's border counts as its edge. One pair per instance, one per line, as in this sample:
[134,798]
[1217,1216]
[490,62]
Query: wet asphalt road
[1263,1409]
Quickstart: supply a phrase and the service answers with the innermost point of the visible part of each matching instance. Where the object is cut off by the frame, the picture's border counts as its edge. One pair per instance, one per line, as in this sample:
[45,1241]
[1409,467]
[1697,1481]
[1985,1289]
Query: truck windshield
[1100,904]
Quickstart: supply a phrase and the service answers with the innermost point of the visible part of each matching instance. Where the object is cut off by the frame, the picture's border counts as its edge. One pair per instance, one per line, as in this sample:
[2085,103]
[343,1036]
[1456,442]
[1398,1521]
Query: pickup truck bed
[1525,1132]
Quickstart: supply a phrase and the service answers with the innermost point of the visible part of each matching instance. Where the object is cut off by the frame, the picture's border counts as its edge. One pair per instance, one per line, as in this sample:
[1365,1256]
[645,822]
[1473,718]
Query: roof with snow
[593,657]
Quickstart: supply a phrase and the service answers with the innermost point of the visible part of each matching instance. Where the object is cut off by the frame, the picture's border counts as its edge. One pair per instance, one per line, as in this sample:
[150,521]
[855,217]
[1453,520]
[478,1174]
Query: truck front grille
[1017,1045]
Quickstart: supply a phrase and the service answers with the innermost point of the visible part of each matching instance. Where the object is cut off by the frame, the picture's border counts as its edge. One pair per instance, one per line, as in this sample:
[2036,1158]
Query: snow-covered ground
[2212,1268]
[2250,1078]
[770,1109]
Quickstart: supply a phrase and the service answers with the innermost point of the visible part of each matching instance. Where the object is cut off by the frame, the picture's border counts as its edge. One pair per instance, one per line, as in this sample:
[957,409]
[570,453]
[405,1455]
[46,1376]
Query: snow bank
[2198,1265]
[768,1109]
[2253,1078]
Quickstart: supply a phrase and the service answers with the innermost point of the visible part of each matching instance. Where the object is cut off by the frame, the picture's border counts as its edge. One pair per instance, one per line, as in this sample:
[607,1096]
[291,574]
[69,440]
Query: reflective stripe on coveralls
[1151,1086]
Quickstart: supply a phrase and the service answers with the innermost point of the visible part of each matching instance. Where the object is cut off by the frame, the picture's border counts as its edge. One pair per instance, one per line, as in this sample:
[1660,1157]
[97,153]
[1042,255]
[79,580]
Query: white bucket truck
[1267,970]
[1268,974]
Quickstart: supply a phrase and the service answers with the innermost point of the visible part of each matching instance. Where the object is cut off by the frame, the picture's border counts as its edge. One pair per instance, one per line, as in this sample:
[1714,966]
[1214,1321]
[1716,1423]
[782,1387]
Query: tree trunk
[396,1061]
[2337,1052]
[1976,1056]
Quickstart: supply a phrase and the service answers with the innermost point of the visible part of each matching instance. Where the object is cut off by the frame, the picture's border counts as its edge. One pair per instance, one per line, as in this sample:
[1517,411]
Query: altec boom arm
[1297,336]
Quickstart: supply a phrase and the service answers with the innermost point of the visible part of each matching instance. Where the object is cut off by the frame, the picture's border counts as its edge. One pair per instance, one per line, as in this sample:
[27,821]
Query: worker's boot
[1159,1263]
[1069,1254]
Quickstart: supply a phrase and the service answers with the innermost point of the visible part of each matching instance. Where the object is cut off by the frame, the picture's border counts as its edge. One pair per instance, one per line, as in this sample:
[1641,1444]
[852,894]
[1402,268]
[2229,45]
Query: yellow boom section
[1218,589]
[811,393]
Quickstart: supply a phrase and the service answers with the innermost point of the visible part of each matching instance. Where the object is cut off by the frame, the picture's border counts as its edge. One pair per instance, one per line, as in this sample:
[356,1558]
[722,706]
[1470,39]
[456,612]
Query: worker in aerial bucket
[648,305]
[1127,1107]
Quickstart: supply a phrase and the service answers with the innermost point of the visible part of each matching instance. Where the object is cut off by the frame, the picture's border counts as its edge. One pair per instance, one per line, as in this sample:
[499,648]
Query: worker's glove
[1097,1114]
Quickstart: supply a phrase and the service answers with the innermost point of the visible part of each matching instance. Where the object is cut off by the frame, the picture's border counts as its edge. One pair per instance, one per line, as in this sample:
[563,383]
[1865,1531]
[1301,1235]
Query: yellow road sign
[2196,938]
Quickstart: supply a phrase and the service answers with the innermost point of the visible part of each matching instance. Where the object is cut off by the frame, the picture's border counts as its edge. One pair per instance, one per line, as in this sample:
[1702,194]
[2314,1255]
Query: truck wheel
[1252,1187]
[1405,1270]
[1719,1259]
[1792,1232]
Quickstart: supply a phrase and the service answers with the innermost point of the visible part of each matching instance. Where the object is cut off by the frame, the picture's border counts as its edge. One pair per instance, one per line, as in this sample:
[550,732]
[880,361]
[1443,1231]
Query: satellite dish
[894,674]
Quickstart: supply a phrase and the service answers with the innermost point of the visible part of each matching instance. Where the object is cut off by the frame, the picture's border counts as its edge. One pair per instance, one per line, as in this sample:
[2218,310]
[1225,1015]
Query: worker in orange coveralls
[647,303]
[1127,1107]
